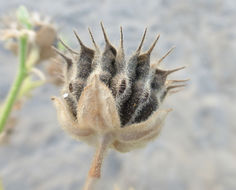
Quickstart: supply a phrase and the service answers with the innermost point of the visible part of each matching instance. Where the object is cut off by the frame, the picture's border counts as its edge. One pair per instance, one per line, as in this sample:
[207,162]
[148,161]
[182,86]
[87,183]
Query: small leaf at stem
[23,16]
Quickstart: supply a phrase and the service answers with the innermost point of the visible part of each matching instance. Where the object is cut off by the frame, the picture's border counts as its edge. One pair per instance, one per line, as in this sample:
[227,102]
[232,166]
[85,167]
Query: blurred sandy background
[197,147]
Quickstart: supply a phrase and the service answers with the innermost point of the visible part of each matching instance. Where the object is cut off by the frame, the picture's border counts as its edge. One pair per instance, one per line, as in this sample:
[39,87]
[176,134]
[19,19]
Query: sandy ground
[197,147]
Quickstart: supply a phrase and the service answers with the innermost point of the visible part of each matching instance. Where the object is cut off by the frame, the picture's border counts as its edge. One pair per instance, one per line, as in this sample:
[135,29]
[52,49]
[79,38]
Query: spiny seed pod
[104,95]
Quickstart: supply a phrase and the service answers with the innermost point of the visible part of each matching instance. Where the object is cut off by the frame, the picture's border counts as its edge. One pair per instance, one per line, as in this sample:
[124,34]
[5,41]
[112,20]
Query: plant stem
[95,169]
[12,95]
[1,186]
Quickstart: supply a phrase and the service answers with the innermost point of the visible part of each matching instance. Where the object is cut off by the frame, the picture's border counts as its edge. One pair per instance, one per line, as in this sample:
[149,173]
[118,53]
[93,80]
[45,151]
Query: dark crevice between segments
[77,86]
[129,107]
[143,66]
[84,64]
[148,109]
[122,87]
[71,103]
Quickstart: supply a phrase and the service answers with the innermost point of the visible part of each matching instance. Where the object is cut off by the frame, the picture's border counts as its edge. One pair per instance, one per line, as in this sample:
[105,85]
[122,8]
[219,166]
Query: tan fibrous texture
[106,94]
[42,34]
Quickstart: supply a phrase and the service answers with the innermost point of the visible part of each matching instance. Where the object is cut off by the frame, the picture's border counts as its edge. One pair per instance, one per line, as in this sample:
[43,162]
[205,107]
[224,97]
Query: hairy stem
[12,95]
[95,169]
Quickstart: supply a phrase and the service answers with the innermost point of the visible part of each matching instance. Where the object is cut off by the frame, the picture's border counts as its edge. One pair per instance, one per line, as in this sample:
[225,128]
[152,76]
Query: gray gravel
[196,149]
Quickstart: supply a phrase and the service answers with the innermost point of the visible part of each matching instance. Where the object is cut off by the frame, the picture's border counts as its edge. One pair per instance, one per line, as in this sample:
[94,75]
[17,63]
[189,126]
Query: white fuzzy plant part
[109,102]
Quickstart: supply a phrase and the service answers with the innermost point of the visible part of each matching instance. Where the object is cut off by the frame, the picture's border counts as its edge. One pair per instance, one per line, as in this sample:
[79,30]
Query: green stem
[12,95]
[1,186]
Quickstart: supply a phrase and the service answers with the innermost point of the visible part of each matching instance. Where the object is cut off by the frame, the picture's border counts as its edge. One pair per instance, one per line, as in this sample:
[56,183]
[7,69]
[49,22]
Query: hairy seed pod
[105,94]
[109,102]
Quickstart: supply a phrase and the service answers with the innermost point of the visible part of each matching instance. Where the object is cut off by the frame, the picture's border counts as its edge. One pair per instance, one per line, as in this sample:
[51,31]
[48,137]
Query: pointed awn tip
[153,45]
[92,38]
[67,47]
[104,34]
[141,43]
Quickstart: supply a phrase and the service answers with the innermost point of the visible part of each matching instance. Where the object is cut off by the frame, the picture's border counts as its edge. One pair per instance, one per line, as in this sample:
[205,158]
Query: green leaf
[28,86]
[23,16]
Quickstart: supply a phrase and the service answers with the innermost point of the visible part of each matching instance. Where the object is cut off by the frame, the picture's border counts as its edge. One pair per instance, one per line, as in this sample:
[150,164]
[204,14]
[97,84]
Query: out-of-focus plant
[1,187]
[117,188]
[30,38]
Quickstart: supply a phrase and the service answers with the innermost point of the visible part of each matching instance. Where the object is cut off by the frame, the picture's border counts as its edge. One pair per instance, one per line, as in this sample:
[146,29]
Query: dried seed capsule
[137,88]
[109,104]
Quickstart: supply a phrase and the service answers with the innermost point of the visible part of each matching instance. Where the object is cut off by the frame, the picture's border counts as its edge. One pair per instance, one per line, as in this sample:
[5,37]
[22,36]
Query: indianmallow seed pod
[103,93]
[108,101]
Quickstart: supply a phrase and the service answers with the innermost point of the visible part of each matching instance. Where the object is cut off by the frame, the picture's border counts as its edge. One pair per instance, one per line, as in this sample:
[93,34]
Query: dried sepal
[68,121]
[96,107]
[138,134]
